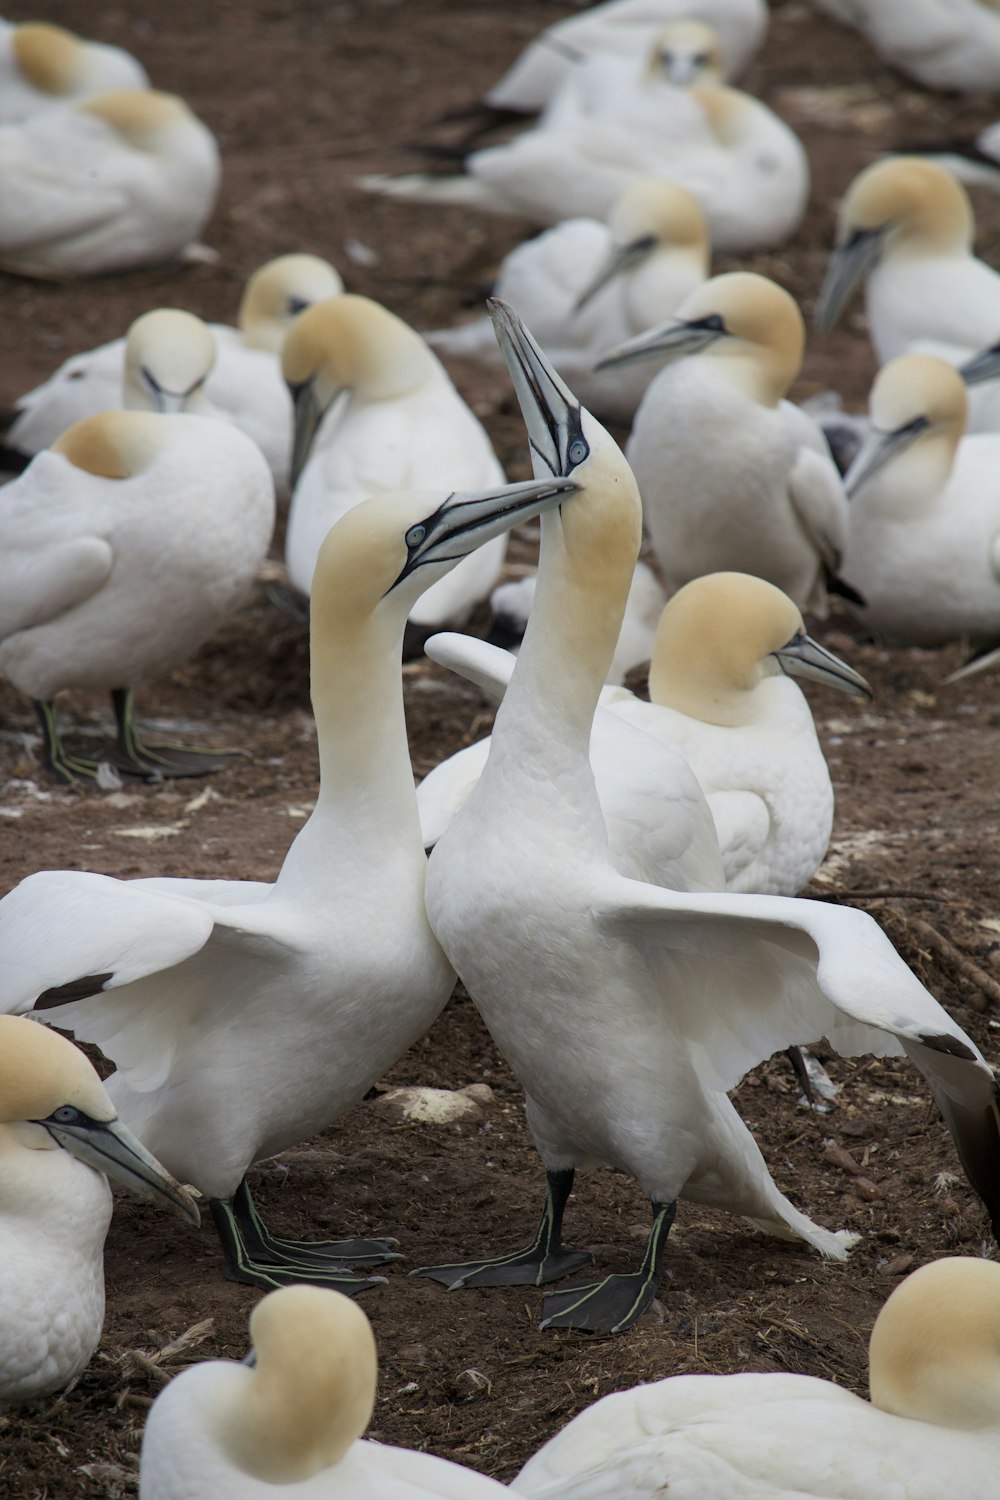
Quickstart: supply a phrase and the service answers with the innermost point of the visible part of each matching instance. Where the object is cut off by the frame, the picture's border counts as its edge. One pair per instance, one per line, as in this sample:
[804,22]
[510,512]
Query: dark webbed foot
[133,756]
[614,1304]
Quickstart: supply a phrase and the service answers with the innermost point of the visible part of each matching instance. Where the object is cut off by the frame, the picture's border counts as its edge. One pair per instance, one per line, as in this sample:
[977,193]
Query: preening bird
[122,548]
[290,1421]
[126,178]
[733,476]
[243,1017]
[625,1009]
[60,1140]
[930,1429]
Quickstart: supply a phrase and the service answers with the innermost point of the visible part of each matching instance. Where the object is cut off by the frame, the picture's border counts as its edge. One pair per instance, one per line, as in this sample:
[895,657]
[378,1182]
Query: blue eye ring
[578,451]
[66,1115]
[415,535]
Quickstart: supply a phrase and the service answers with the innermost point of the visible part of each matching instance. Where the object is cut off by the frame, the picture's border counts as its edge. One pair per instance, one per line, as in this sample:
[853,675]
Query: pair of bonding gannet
[953,46]
[290,1420]
[906,226]
[585,287]
[732,475]
[43,66]
[242,386]
[923,541]
[123,548]
[744,165]
[720,693]
[622,28]
[244,1017]
[932,1427]
[60,1139]
[626,1009]
[126,178]
[396,422]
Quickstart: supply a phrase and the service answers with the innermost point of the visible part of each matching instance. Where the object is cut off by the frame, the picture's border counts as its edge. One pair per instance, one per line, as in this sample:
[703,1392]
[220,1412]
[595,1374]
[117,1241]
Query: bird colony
[610,579]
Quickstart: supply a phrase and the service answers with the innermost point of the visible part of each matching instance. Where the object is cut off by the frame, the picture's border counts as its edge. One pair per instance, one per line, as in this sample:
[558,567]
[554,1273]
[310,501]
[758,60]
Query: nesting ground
[303,95]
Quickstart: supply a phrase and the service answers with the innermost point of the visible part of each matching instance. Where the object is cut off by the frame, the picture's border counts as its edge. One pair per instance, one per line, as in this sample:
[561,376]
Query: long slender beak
[680,68]
[981,367]
[848,264]
[675,340]
[308,414]
[620,259]
[552,414]
[468,518]
[877,450]
[109,1147]
[804,657]
[171,402]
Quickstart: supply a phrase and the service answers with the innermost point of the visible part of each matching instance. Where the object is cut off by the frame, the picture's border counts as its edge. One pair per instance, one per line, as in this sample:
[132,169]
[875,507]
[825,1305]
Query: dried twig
[929,937]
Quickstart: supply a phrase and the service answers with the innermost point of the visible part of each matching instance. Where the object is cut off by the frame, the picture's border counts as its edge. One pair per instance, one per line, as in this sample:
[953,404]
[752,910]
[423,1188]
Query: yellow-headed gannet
[43,66]
[122,548]
[932,1427]
[396,422]
[59,1136]
[127,178]
[733,476]
[625,1009]
[244,1017]
[289,1421]
[586,286]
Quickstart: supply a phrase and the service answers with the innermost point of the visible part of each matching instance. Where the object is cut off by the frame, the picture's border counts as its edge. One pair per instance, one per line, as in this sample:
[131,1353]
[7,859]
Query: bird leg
[132,756]
[614,1304]
[545,1259]
[258,1258]
[62,765]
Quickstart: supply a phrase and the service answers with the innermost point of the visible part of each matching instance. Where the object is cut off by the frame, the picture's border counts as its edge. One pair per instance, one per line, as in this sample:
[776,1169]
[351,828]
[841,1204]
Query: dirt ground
[303,95]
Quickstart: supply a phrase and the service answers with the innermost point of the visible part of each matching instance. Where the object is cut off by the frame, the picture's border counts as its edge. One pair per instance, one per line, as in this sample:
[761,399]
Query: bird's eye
[415,536]
[714,323]
[578,451]
[295,305]
[66,1115]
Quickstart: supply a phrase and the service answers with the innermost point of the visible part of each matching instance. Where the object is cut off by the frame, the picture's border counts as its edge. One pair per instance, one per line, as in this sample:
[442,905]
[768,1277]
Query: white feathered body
[952,45]
[729,484]
[244,388]
[107,581]
[54,1215]
[929,565]
[543,278]
[424,440]
[100,67]
[622,28]
[77,199]
[755,1437]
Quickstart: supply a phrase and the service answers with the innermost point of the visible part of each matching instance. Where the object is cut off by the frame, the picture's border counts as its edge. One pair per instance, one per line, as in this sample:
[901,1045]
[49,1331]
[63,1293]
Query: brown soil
[303,96]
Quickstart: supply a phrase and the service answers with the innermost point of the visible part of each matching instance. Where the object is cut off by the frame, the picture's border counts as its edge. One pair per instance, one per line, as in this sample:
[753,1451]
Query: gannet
[401,424]
[932,1427]
[122,548]
[744,165]
[42,66]
[244,386]
[586,286]
[923,540]
[126,178]
[733,476]
[55,1205]
[953,45]
[511,603]
[625,1009]
[289,1421]
[726,647]
[907,226]
[973,159]
[244,1017]
[622,28]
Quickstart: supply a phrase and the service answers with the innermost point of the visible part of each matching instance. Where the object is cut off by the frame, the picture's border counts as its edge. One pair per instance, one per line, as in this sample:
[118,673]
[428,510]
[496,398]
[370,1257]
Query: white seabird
[60,1139]
[953,46]
[122,548]
[288,1423]
[585,286]
[625,1009]
[734,477]
[931,1428]
[43,66]
[396,422]
[244,1017]
[126,178]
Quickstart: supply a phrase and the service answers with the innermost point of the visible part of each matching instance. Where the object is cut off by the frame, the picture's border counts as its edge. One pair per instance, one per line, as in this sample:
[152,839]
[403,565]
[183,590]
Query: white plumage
[952,45]
[43,66]
[126,178]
